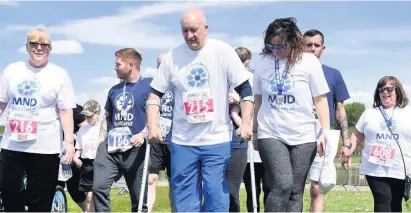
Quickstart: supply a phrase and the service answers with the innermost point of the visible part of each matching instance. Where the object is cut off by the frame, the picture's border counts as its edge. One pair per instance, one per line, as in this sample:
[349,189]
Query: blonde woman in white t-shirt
[386,129]
[288,83]
[86,149]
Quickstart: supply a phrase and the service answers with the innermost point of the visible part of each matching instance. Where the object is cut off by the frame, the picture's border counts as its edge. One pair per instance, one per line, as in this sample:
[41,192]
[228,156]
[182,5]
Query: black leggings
[234,175]
[387,193]
[260,177]
[287,168]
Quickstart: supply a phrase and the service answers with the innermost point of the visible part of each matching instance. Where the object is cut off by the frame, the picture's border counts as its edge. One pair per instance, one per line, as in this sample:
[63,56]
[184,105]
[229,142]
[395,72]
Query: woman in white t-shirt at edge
[39,98]
[381,160]
[87,141]
[287,84]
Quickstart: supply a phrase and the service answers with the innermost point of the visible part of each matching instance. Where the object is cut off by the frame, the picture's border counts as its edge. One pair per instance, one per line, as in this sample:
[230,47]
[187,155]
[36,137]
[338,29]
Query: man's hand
[345,157]
[154,135]
[137,140]
[69,148]
[77,162]
[246,132]
[321,142]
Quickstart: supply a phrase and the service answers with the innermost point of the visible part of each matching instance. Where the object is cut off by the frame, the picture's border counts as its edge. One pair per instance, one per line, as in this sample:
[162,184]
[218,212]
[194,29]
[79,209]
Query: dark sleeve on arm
[156,92]
[244,89]
[341,91]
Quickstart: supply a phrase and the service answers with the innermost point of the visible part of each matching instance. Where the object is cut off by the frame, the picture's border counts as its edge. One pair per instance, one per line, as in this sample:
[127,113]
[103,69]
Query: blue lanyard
[387,118]
[280,82]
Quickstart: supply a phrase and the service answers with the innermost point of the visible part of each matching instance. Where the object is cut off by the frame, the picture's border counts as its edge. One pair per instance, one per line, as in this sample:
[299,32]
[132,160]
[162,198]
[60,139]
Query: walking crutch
[252,174]
[144,180]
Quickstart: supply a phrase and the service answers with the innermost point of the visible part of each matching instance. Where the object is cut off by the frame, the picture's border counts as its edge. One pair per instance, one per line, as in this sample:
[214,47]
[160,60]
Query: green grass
[335,201]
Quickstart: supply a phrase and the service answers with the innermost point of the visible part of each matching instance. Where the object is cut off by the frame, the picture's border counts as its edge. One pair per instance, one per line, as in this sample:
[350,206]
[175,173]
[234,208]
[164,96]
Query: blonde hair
[130,54]
[39,33]
[243,53]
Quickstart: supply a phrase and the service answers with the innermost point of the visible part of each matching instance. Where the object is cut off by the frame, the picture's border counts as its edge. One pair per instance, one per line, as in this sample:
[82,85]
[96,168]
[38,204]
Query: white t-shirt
[379,140]
[34,97]
[201,80]
[87,140]
[292,121]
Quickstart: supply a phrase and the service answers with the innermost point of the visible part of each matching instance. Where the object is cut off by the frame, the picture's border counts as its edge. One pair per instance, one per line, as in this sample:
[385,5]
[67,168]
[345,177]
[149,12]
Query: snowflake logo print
[272,84]
[197,76]
[384,127]
[124,101]
[28,87]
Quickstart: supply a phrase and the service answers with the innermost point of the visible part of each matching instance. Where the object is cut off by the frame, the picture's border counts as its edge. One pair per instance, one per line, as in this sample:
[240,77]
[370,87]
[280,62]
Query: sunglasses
[278,47]
[387,89]
[37,44]
[312,44]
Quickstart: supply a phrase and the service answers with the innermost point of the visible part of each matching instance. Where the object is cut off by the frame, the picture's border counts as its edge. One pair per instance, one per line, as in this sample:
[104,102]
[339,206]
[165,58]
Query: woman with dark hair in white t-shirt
[386,128]
[288,83]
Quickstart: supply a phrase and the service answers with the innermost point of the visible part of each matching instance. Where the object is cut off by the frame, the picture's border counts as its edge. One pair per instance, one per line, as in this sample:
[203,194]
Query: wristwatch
[347,144]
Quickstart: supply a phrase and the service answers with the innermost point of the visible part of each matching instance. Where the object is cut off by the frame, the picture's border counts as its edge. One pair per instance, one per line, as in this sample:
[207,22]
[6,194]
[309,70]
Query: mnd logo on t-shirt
[23,116]
[280,88]
[123,103]
[386,134]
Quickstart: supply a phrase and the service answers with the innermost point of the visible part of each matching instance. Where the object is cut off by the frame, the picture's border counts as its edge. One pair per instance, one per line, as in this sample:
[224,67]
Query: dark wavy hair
[402,100]
[288,30]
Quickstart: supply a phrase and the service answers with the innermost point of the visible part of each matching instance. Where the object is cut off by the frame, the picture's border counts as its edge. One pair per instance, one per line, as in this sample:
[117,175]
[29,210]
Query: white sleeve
[361,122]
[236,72]
[4,86]
[256,79]
[162,79]
[65,96]
[318,83]
[79,143]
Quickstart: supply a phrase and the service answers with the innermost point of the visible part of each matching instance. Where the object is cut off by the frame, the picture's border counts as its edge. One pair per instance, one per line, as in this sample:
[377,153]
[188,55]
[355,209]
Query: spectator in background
[314,43]
[161,152]
[237,163]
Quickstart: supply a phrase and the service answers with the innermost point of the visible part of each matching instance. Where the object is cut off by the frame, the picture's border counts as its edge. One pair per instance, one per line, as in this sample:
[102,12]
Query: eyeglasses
[387,89]
[36,44]
[312,44]
[277,47]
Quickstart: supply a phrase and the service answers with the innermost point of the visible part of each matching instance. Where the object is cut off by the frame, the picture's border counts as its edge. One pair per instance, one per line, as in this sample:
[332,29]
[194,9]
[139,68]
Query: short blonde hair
[243,53]
[130,54]
[39,33]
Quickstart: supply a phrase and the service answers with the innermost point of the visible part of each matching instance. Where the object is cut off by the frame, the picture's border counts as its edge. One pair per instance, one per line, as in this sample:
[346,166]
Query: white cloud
[127,28]
[148,72]
[62,47]
[105,80]
[8,3]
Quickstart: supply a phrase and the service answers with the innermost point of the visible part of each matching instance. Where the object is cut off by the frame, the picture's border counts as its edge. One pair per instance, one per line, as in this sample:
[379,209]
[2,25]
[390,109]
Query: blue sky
[365,40]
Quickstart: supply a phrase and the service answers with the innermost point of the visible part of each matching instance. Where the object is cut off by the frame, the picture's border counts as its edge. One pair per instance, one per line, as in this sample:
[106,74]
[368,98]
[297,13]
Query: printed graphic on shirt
[383,152]
[124,102]
[198,100]
[23,115]
[167,105]
[280,86]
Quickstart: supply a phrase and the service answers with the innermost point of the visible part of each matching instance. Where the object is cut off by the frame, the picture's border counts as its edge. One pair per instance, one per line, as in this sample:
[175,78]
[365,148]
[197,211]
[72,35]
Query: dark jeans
[108,167]
[287,168]
[42,175]
[234,175]
[260,177]
[387,192]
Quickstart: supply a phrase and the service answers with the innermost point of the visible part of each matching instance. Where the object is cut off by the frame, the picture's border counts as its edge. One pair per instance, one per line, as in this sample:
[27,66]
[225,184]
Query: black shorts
[87,174]
[160,155]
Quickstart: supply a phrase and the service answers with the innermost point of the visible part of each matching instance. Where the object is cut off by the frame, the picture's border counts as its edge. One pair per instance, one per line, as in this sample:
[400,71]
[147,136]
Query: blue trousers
[198,174]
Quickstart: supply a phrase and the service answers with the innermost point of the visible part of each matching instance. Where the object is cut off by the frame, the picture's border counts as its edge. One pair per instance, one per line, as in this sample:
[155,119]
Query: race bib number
[118,140]
[165,126]
[382,156]
[198,106]
[23,130]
